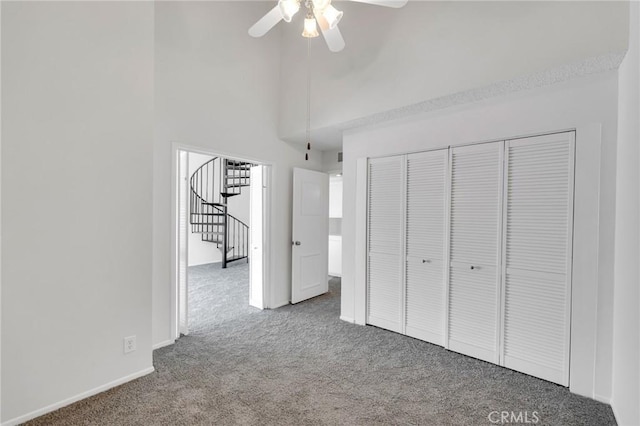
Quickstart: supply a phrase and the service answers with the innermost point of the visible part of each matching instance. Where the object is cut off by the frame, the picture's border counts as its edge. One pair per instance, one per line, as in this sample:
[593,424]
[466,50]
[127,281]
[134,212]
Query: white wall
[217,89]
[330,162]
[335,197]
[626,345]
[588,104]
[428,49]
[77,139]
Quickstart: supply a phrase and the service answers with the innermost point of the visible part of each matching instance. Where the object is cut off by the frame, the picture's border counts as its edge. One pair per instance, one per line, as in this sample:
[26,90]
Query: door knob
[297,243]
[473,267]
[426,261]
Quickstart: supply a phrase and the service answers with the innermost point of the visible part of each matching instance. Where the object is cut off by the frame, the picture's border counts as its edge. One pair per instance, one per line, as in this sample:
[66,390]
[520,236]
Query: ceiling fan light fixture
[326,16]
[288,8]
[332,15]
[310,29]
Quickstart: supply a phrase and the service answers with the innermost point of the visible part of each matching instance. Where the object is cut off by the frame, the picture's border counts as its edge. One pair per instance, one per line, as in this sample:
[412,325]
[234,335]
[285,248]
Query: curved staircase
[212,184]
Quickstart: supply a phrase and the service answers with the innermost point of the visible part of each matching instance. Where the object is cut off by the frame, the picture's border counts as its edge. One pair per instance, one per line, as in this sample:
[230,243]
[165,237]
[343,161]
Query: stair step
[237,163]
[207,233]
[204,203]
[229,194]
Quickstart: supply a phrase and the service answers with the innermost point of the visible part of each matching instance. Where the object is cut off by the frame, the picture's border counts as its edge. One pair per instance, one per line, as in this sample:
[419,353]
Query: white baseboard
[163,344]
[83,395]
[600,398]
[347,319]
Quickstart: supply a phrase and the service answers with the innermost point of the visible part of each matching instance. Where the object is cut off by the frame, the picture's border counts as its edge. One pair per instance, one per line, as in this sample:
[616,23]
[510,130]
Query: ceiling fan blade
[332,36]
[334,39]
[265,23]
[386,3]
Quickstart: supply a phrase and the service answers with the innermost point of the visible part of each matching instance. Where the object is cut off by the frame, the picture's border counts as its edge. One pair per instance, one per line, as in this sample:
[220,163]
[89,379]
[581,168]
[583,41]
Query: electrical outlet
[129,344]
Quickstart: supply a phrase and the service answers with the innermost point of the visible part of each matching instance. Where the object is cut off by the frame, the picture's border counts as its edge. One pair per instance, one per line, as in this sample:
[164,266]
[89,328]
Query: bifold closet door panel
[474,250]
[425,242]
[386,199]
[537,257]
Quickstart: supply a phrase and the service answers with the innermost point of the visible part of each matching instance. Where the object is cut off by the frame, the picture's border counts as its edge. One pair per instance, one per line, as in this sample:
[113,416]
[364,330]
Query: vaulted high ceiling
[399,62]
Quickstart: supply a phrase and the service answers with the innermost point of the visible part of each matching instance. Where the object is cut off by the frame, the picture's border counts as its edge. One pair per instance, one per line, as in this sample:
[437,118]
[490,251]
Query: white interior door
[385,276]
[474,249]
[256,225]
[425,242]
[310,219]
[537,256]
[183,242]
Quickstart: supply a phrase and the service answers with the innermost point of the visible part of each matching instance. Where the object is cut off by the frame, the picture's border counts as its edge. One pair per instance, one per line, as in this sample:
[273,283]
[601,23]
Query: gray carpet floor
[301,365]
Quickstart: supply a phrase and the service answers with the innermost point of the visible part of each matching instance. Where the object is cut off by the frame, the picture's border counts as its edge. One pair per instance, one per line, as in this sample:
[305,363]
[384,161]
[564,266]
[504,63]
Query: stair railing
[209,215]
[205,219]
[237,240]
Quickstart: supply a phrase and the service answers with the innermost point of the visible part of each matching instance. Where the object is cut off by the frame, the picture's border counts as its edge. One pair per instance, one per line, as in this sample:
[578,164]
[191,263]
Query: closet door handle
[426,261]
[473,267]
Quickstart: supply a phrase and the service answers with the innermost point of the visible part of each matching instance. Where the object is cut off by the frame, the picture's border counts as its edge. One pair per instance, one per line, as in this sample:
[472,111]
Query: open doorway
[335,224]
[221,217]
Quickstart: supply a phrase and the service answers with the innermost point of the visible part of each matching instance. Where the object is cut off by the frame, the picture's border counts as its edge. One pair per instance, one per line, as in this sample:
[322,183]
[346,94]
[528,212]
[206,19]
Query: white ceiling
[430,55]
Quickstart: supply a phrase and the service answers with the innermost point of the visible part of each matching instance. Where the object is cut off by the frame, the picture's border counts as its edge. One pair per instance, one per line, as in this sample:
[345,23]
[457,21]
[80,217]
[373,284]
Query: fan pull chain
[306,156]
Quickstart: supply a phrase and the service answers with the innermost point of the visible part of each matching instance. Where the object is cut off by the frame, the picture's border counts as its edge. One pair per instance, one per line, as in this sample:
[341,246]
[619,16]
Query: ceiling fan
[319,13]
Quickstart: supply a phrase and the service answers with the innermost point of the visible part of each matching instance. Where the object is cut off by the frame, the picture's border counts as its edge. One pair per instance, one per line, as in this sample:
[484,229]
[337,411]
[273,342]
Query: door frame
[175,252]
[265,182]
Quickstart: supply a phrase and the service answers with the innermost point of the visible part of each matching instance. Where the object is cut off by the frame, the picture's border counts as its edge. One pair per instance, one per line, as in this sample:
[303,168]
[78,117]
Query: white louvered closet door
[386,205]
[537,258]
[475,241]
[425,242]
